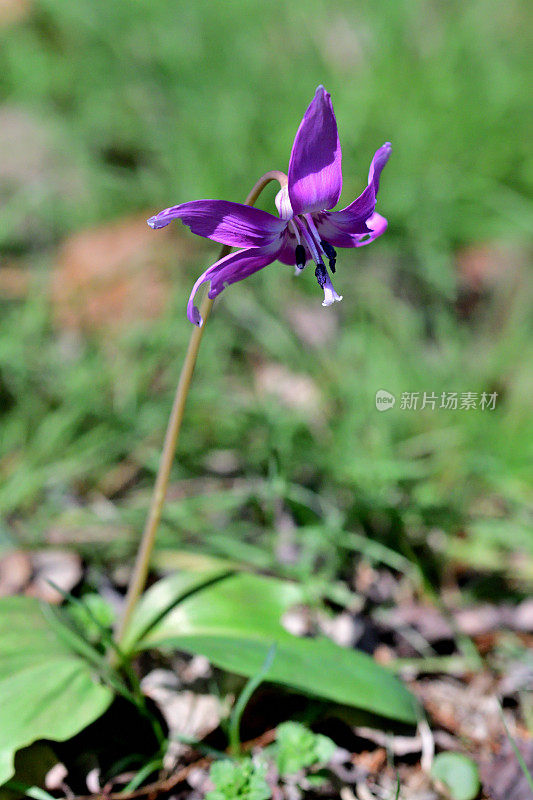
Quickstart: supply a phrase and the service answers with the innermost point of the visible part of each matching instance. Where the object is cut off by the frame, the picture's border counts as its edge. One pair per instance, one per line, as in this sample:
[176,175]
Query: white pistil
[330,295]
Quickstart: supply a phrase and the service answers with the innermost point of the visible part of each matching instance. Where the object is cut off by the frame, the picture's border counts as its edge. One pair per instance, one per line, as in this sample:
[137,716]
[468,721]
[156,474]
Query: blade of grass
[518,754]
[35,792]
[142,774]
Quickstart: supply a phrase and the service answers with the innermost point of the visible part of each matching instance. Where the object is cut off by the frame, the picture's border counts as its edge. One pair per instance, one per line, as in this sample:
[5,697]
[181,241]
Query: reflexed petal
[315,175]
[381,157]
[233,224]
[346,227]
[339,227]
[354,216]
[377,225]
[228,270]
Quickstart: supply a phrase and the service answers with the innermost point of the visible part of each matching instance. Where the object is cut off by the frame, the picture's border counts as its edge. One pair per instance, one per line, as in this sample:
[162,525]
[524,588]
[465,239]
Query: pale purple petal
[283,203]
[233,224]
[228,270]
[315,175]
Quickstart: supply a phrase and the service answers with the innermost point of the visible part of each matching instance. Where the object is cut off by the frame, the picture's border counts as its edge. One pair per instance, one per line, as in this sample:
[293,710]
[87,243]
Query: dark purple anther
[321,275]
[331,254]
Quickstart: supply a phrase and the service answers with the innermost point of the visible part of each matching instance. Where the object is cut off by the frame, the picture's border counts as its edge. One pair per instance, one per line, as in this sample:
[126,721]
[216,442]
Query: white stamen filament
[294,228]
[309,239]
[312,238]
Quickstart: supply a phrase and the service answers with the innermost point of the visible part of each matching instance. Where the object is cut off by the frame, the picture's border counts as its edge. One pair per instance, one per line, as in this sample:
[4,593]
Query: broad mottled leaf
[46,690]
[235,621]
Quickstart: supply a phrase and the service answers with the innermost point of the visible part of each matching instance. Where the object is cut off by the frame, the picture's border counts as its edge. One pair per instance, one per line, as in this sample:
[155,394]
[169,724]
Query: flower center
[307,234]
[318,247]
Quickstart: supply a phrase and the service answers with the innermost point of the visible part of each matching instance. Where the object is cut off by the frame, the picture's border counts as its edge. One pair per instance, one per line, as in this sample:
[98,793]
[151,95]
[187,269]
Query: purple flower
[306,229]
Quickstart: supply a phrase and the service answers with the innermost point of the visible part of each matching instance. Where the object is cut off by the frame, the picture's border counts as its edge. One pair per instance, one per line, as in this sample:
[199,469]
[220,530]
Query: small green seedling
[297,748]
[238,780]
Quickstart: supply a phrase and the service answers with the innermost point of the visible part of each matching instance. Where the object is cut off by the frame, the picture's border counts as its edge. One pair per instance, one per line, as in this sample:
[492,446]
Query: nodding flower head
[306,229]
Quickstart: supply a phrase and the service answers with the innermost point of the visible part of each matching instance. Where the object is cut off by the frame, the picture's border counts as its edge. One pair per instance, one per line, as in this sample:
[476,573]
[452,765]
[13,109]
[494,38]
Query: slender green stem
[142,561]
[242,702]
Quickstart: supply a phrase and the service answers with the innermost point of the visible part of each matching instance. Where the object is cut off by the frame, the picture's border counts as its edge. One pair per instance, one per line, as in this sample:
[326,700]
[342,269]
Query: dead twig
[165,785]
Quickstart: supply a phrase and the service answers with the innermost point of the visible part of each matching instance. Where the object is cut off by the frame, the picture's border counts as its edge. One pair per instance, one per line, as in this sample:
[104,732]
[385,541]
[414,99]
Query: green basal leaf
[164,595]
[459,774]
[46,690]
[235,621]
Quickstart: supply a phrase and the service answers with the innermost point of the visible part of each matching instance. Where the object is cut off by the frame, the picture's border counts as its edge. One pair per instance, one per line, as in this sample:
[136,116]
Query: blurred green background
[112,111]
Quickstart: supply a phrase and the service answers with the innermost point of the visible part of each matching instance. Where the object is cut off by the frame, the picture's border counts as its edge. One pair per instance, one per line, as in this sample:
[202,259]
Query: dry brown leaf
[186,713]
[494,270]
[469,711]
[371,761]
[64,534]
[314,329]
[59,567]
[15,572]
[12,11]
[502,777]
[291,389]
[111,276]
[344,629]
[426,619]
[489,618]
[475,621]
[482,266]
[399,745]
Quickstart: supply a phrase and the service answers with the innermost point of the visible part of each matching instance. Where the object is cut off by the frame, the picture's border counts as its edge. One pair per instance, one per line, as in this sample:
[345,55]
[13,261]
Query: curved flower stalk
[306,228]
[142,561]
